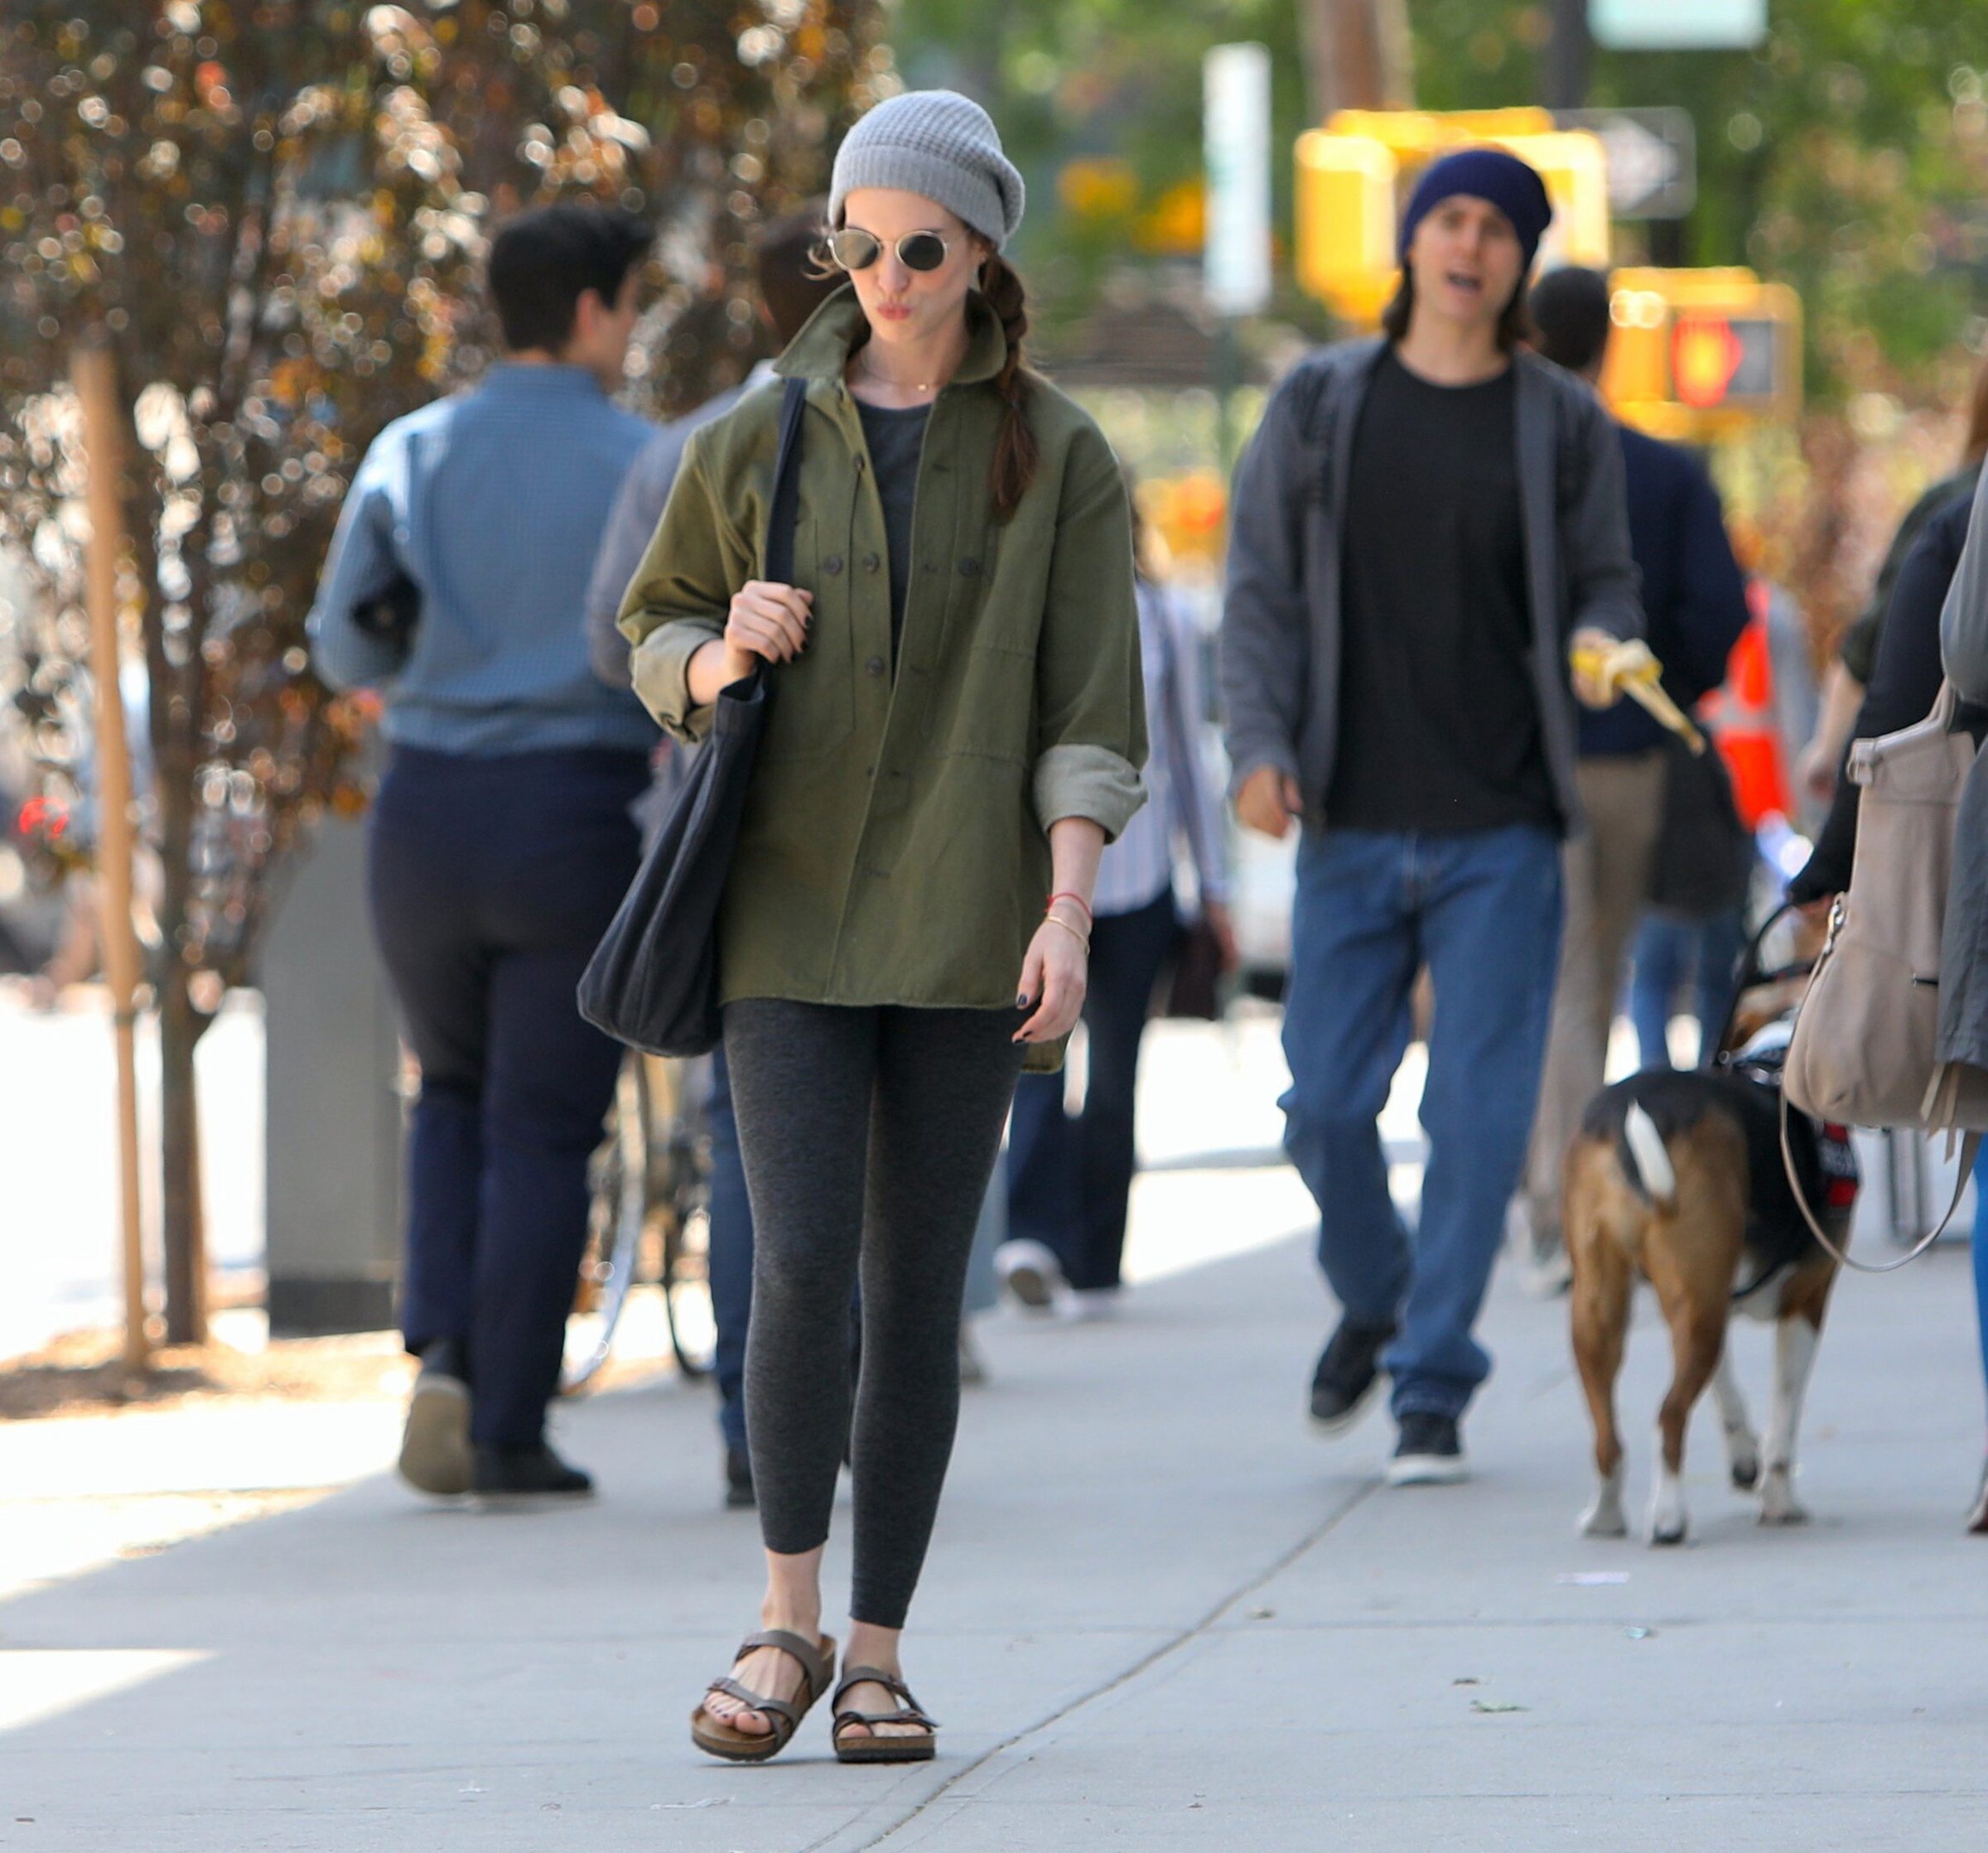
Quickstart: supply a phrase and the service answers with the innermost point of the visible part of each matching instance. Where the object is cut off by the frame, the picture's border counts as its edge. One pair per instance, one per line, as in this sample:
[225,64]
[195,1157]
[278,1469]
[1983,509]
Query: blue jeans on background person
[1482,909]
[1070,1175]
[1980,1252]
[491,881]
[1669,949]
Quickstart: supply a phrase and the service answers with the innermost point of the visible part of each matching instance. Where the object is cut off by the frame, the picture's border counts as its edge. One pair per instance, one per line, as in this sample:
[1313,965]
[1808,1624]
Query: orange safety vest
[1740,718]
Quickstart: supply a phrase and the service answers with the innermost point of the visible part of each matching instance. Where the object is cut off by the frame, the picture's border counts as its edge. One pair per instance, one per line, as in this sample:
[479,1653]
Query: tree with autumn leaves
[273,214]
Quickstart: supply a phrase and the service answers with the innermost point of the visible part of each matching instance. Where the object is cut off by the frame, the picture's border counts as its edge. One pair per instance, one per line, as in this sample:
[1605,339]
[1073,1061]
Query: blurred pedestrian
[1934,626]
[1069,1175]
[1856,655]
[954,731]
[1963,1035]
[1426,526]
[1694,603]
[791,286]
[501,842]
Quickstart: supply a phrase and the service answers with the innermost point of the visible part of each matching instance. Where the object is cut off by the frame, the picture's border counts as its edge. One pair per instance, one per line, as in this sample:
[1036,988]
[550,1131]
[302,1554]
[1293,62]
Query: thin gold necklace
[870,372]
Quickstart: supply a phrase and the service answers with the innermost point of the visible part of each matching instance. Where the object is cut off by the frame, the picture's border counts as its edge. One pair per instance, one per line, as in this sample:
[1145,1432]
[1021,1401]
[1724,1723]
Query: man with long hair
[1427,527]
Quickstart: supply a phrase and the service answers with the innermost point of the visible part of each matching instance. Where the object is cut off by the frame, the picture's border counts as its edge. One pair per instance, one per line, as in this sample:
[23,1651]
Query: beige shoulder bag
[1862,1053]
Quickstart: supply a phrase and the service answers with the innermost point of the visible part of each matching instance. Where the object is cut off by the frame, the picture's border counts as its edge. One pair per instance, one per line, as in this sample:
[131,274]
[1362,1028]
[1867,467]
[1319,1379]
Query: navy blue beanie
[1490,174]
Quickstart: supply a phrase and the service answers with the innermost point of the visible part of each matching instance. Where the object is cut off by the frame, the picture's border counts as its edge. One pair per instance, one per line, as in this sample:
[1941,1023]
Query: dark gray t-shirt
[896,436]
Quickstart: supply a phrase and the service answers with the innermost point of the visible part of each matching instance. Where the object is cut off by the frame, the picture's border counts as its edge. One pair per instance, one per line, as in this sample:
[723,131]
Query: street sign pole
[1236,256]
[1570,56]
[93,372]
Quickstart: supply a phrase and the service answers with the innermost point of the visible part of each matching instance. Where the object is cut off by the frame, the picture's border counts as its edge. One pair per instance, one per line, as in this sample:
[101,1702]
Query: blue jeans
[1483,910]
[1669,950]
[1980,1252]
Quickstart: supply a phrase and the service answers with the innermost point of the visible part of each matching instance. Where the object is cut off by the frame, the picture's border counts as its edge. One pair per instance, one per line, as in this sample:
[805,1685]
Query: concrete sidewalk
[1159,1613]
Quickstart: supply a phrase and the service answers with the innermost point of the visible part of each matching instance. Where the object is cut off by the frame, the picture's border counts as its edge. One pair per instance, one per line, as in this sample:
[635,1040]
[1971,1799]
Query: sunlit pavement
[1159,1612]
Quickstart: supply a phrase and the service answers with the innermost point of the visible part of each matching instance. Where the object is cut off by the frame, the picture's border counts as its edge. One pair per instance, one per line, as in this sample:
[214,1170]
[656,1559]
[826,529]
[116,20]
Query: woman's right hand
[766,622]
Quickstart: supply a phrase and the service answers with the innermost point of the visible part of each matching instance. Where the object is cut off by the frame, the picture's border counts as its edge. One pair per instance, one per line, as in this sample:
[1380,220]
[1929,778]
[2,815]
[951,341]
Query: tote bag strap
[1970,1146]
[784,511]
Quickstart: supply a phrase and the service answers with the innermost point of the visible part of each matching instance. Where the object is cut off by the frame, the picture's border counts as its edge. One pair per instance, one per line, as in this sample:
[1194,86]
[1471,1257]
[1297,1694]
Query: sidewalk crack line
[1193,1631]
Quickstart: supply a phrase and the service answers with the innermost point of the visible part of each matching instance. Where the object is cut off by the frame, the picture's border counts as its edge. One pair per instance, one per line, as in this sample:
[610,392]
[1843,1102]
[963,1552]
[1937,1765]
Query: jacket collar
[821,350]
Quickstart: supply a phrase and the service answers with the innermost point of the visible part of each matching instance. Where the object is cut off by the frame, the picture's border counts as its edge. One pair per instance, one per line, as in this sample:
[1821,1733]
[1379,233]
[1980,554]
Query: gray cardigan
[1281,624]
[1963,1034]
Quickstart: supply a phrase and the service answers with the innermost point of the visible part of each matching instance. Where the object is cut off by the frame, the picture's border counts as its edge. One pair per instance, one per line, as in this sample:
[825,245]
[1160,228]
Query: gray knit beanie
[938,143]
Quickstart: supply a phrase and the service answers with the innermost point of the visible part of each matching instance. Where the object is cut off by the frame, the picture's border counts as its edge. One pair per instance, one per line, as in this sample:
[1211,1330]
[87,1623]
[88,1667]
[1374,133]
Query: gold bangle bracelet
[1079,937]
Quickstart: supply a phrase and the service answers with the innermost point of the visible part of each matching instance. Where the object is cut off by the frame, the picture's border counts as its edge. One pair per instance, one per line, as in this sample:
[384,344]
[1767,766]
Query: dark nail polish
[1022,1001]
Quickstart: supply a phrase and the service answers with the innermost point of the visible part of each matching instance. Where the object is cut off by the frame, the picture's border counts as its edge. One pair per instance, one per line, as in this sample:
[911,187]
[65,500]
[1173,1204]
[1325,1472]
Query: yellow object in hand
[1628,667]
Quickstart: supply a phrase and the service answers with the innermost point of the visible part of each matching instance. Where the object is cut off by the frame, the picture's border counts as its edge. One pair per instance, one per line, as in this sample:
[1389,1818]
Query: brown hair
[793,284]
[1977,447]
[1016,456]
[1515,320]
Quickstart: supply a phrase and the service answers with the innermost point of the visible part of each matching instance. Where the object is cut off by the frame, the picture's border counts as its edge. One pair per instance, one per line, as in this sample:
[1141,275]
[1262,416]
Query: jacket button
[969,567]
[833,564]
[870,562]
[875,665]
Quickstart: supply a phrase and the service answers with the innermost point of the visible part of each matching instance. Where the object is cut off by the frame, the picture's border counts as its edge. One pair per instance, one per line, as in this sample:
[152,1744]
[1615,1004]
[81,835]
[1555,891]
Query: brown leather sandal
[722,1739]
[877,1748]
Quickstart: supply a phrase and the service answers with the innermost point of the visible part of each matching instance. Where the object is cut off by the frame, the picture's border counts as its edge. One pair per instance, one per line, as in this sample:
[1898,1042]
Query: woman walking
[954,731]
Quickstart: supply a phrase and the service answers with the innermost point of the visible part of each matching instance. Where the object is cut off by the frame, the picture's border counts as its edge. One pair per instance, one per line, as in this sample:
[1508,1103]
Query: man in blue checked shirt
[501,842]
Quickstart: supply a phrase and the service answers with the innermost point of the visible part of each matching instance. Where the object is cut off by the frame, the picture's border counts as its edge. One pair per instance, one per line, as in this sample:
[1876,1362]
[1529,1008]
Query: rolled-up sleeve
[1963,620]
[677,602]
[1090,739]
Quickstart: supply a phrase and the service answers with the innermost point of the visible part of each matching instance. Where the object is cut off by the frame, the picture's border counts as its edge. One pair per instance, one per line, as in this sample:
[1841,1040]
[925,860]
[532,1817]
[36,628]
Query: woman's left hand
[1054,976]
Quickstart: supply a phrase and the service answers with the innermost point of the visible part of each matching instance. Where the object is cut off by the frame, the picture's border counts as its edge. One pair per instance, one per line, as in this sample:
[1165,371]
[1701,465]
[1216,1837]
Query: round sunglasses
[852,249]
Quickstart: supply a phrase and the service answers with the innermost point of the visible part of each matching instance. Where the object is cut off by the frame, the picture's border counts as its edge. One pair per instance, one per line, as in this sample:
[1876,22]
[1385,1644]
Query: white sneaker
[1082,1306]
[1031,1276]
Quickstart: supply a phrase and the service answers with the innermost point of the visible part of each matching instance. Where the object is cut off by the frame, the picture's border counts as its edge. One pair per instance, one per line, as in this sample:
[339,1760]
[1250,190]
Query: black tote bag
[1704,859]
[652,981]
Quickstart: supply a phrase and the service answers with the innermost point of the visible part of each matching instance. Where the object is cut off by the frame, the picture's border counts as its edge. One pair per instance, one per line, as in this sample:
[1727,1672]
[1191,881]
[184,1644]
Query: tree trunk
[1356,55]
[182,1220]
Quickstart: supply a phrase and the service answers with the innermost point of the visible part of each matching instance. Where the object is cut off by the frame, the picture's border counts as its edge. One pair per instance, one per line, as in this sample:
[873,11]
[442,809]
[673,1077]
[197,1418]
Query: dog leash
[1970,1144]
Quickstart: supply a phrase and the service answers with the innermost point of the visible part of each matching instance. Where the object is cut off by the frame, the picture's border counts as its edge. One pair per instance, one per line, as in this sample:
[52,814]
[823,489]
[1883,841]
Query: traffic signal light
[1695,352]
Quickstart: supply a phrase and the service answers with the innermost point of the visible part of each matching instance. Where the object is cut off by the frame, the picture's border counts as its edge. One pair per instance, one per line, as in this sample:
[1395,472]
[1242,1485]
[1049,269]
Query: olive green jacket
[894,849]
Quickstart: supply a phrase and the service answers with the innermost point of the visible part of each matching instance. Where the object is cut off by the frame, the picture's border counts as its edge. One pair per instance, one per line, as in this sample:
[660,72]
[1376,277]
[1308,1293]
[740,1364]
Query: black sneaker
[739,1493]
[1348,1376]
[529,1473]
[1430,1453]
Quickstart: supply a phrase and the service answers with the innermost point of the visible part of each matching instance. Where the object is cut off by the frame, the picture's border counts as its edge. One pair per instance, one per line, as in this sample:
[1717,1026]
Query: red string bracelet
[1078,899]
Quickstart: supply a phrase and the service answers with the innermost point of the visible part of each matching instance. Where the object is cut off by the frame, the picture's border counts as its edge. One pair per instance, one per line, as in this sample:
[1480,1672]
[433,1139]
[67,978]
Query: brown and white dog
[1677,1179]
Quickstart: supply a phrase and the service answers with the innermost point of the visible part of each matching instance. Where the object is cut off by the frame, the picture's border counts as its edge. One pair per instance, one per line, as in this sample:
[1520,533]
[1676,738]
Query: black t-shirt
[1439,721]
[896,436]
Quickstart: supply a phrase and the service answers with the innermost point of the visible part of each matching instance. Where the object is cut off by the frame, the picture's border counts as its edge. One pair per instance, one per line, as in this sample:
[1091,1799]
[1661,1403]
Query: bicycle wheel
[680,1183]
[618,1176]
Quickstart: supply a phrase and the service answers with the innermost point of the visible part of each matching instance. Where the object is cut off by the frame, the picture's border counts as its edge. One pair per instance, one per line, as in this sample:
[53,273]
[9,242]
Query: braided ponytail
[1015,453]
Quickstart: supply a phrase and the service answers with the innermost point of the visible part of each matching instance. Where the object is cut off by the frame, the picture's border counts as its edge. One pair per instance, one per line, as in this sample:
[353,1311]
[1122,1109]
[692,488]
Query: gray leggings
[869,1135]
